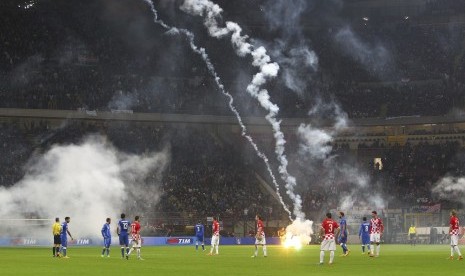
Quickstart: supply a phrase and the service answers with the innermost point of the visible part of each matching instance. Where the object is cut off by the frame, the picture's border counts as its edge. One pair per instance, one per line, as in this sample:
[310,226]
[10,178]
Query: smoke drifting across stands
[212,15]
[282,58]
[88,182]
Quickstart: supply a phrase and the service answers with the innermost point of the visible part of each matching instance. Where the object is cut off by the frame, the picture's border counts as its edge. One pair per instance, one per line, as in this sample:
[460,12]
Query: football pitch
[232,260]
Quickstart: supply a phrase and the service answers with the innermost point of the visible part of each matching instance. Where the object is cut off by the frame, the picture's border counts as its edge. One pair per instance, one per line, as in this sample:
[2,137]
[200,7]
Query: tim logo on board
[22,241]
[179,241]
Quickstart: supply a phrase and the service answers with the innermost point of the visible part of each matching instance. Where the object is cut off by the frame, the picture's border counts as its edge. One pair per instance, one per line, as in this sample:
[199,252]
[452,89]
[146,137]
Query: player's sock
[53,249]
[322,256]
[451,251]
[457,249]
[130,251]
[363,248]
[331,257]
[64,251]
[216,249]
[256,251]
[372,249]
[122,252]
[378,247]
[368,247]
[103,251]
[264,251]
[108,252]
[203,247]
[138,252]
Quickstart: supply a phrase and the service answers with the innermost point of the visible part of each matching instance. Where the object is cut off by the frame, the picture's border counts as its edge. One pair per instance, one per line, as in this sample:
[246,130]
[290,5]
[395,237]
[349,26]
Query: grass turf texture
[233,260]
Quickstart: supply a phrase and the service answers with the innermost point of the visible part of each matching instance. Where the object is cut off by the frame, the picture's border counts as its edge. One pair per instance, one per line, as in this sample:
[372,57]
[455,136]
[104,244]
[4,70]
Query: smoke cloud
[291,50]
[375,58]
[359,184]
[451,188]
[316,147]
[88,182]
[123,101]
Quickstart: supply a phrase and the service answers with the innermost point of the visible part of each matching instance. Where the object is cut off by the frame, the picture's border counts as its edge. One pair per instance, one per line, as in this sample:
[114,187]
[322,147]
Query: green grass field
[233,260]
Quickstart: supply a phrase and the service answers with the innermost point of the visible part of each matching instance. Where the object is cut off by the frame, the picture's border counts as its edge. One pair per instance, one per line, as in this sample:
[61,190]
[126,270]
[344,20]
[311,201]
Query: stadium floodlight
[365,18]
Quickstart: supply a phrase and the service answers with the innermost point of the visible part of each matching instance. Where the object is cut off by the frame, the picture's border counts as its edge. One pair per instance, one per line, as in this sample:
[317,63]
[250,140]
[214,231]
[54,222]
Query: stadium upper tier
[101,56]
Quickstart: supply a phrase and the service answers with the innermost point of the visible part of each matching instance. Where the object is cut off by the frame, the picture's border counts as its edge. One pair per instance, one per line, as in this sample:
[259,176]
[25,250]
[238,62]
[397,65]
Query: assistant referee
[56,229]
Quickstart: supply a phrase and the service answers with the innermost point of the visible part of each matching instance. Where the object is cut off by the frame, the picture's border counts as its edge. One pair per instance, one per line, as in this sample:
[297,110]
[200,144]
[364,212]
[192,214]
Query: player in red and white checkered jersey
[215,236]
[328,231]
[454,232]
[376,231]
[260,237]
[136,241]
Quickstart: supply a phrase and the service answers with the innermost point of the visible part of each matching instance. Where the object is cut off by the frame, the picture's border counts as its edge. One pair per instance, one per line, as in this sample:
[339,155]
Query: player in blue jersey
[199,234]
[64,237]
[123,232]
[364,235]
[343,234]
[106,233]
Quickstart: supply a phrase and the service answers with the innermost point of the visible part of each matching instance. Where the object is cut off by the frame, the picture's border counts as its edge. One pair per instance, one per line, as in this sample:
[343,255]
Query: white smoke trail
[268,70]
[212,71]
[88,182]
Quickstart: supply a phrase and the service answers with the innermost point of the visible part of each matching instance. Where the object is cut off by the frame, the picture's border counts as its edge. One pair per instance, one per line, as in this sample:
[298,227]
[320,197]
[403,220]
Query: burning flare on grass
[298,234]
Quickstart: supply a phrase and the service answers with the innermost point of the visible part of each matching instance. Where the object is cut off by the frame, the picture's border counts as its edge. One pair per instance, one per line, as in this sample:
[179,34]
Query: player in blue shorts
[343,234]
[199,234]
[123,232]
[106,233]
[364,235]
[64,237]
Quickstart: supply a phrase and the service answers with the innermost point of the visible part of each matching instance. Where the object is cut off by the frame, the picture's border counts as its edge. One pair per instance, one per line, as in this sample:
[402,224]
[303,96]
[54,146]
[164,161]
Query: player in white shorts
[328,231]
[376,230]
[215,236]
[260,237]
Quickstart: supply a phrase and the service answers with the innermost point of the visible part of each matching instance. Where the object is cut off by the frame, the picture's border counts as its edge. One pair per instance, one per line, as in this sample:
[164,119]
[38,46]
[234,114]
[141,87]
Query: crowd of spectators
[207,174]
[52,58]
[69,56]
[403,176]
